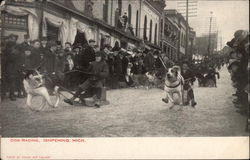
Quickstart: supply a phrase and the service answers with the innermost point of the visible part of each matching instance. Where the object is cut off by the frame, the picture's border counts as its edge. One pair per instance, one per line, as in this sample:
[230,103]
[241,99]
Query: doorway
[52,32]
[80,39]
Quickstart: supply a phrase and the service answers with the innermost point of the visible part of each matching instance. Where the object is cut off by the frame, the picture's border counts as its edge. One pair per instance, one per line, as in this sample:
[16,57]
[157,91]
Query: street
[131,113]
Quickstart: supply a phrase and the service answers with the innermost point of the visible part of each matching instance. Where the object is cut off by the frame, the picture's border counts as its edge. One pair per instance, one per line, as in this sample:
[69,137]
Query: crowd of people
[73,65]
[239,68]
[126,68]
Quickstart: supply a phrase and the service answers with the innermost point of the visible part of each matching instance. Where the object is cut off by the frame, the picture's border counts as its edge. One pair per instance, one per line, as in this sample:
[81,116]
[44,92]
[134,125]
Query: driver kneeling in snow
[92,86]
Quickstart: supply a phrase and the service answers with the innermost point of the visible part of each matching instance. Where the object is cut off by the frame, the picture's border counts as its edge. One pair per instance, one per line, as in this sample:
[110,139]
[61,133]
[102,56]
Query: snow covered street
[131,113]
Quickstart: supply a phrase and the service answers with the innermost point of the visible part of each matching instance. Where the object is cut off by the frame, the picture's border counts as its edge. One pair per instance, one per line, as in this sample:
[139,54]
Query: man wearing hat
[44,50]
[78,57]
[98,71]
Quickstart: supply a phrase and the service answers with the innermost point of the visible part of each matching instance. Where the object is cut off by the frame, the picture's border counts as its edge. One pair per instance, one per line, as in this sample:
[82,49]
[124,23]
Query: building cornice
[149,4]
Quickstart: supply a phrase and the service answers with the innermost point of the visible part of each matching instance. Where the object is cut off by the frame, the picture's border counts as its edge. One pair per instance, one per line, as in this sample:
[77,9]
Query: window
[15,21]
[129,14]
[137,23]
[182,38]
[150,31]
[105,10]
[145,29]
[155,41]
[161,26]
[120,7]
[169,54]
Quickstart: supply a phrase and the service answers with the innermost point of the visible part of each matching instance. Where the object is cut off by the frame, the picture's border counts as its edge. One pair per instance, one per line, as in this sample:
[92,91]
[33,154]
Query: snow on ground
[131,113]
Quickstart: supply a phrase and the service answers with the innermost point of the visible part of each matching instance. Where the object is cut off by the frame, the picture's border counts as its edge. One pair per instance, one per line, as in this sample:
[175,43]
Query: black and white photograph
[124,68]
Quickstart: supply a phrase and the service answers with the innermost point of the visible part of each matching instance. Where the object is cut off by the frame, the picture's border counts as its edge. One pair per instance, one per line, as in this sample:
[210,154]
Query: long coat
[35,58]
[88,56]
[148,62]
[101,71]
[49,61]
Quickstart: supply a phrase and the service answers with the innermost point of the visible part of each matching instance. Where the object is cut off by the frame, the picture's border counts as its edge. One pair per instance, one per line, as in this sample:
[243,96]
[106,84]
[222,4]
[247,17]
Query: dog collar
[173,86]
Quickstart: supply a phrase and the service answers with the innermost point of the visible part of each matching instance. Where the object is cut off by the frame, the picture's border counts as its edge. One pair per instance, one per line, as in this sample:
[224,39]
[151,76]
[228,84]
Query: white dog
[34,86]
[173,84]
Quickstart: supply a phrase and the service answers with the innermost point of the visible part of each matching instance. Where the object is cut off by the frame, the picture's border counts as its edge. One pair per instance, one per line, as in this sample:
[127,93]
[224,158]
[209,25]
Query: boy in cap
[92,86]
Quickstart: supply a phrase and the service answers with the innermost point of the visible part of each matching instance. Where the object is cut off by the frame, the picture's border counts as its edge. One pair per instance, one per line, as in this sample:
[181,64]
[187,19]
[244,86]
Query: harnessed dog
[34,85]
[173,84]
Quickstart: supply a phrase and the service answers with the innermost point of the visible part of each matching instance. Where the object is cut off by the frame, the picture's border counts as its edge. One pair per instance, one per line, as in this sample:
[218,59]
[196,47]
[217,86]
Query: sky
[228,16]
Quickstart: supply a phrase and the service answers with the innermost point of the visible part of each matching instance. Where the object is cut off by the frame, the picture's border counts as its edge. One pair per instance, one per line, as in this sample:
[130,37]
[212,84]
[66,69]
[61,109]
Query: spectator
[189,79]
[49,58]
[149,61]
[35,57]
[89,54]
[44,49]
[60,66]
[12,70]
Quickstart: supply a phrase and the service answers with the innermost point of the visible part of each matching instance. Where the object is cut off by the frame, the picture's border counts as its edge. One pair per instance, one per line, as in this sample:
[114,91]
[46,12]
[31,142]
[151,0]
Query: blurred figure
[188,82]
[12,70]
[148,61]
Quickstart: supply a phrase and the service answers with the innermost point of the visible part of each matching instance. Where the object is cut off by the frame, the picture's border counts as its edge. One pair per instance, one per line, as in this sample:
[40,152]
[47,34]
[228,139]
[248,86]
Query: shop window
[15,21]
[150,31]
[155,41]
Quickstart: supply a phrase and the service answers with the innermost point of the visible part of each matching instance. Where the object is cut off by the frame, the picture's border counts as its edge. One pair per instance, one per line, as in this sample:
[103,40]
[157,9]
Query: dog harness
[173,86]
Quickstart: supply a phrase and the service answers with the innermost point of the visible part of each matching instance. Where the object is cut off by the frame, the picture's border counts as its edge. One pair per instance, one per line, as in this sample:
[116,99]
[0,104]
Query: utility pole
[209,36]
[187,29]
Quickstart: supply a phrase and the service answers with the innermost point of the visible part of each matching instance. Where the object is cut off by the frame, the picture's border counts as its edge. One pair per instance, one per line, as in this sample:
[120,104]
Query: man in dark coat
[124,64]
[44,50]
[49,58]
[12,70]
[35,57]
[89,54]
[118,66]
[60,66]
[98,72]
[9,70]
[148,61]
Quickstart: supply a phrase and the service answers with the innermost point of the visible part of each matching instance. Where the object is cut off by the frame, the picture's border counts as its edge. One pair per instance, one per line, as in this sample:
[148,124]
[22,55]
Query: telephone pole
[187,29]
[209,35]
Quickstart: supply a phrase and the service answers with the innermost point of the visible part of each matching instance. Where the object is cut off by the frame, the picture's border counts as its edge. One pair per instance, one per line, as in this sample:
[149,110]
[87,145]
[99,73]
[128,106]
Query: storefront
[20,21]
